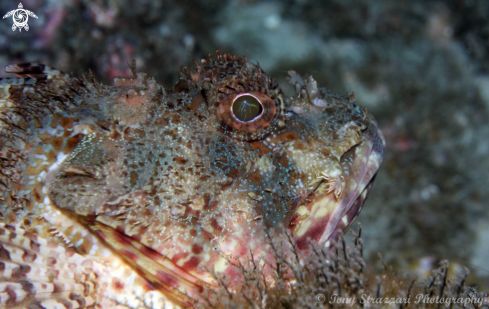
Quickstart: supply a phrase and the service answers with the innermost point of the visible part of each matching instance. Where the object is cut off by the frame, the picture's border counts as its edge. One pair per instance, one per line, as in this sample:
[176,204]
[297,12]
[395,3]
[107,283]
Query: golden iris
[247,108]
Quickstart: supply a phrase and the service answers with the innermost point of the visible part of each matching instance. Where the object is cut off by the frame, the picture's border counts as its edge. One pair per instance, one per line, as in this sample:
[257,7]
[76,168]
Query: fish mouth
[326,215]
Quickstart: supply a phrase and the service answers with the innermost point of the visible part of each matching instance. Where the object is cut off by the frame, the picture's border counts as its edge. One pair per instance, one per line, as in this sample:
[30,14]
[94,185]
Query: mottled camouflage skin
[149,187]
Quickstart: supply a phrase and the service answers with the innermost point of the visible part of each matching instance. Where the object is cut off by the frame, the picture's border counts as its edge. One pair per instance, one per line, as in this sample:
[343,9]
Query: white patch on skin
[7,272]
[6,94]
[93,250]
[42,176]
[318,102]
[50,303]
[58,131]
[20,294]
[297,110]
[220,266]
[40,156]
[265,164]
[81,128]
[59,159]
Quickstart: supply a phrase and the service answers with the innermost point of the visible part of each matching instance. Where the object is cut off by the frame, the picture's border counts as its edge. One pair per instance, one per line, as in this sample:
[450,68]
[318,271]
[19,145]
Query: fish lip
[323,226]
[368,173]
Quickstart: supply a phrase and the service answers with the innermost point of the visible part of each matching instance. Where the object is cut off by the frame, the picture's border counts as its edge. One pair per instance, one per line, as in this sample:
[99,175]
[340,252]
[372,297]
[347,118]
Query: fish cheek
[88,178]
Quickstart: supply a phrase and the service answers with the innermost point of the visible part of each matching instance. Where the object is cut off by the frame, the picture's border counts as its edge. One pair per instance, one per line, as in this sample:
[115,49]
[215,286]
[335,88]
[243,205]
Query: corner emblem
[20,17]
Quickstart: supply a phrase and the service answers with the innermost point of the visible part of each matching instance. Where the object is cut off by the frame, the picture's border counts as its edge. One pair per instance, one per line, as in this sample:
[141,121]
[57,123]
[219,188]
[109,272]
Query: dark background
[420,66]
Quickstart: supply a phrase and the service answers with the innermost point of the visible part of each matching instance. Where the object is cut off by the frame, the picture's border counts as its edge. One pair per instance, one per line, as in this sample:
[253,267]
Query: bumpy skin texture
[152,187]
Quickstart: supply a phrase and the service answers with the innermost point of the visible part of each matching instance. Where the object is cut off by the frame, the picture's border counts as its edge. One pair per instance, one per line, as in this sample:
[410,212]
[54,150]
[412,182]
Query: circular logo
[20,18]
[320,298]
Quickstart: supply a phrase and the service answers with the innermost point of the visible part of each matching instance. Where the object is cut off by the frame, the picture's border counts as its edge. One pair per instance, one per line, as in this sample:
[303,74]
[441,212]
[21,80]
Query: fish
[135,195]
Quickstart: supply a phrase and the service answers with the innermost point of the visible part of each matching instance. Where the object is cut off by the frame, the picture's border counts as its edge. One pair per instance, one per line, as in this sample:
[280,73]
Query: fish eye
[247,111]
[247,108]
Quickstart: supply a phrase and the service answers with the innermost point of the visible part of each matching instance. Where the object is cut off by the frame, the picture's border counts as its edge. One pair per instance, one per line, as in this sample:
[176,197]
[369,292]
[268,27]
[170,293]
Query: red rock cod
[128,194]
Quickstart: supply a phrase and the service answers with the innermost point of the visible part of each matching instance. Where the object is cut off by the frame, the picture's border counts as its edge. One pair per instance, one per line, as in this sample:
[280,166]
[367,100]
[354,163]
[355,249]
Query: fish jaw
[334,203]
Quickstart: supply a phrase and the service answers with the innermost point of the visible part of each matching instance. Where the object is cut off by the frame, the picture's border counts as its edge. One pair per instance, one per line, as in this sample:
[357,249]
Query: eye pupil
[247,108]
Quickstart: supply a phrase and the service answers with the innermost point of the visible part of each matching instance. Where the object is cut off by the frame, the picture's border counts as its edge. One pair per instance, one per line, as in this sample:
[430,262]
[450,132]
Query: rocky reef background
[420,66]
